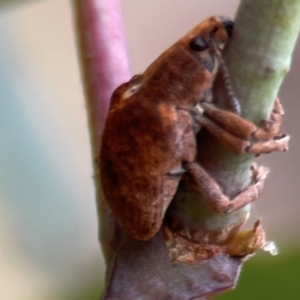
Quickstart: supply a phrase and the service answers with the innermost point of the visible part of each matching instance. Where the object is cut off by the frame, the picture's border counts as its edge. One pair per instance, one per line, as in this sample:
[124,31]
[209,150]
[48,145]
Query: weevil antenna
[234,102]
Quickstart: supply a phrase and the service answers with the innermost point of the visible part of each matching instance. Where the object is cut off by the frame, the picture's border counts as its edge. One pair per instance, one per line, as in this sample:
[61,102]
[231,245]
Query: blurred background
[48,224]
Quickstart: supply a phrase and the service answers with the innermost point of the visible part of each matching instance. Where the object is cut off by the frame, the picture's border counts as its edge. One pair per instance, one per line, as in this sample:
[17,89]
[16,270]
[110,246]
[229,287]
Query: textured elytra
[150,130]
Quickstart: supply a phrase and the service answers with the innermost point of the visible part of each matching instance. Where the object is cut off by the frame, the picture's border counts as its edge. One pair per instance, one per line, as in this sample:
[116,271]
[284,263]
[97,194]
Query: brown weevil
[149,136]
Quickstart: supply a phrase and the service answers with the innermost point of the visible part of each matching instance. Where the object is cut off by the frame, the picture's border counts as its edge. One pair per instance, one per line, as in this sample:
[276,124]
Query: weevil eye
[198,44]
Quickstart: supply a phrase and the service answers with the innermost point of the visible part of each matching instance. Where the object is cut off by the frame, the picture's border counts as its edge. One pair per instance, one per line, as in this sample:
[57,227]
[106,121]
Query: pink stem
[104,57]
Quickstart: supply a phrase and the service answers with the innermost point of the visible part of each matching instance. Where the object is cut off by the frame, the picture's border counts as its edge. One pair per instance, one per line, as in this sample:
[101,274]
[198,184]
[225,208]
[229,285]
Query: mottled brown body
[149,132]
[149,136]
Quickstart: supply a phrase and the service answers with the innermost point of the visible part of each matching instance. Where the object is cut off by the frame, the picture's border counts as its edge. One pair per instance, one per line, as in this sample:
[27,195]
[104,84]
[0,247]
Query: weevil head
[208,39]
[185,71]
[215,30]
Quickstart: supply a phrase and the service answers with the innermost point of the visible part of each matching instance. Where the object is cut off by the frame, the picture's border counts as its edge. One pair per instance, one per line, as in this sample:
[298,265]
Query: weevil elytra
[149,137]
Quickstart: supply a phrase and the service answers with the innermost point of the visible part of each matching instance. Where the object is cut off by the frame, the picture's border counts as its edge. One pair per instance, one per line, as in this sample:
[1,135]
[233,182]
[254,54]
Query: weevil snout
[228,25]
[223,30]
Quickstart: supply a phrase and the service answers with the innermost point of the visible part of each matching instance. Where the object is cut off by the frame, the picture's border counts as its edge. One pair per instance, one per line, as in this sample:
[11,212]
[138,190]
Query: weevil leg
[197,111]
[231,141]
[272,124]
[196,114]
[212,193]
[278,143]
[236,132]
[243,128]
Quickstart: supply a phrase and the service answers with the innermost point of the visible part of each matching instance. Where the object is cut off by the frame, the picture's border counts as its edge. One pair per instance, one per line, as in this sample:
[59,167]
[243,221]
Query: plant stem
[257,58]
[103,56]
[105,65]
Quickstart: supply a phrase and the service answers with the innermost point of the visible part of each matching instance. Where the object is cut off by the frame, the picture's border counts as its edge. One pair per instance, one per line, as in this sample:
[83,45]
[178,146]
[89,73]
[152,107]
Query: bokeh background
[48,222]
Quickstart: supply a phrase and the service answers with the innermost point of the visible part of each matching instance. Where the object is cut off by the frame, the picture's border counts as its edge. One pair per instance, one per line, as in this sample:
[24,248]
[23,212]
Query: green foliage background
[268,277]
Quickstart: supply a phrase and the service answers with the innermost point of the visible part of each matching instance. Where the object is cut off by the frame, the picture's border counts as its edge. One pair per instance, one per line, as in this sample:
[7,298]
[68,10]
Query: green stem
[258,57]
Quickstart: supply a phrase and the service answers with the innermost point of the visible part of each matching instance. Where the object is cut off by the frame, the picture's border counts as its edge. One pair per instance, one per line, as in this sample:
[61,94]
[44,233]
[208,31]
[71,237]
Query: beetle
[148,142]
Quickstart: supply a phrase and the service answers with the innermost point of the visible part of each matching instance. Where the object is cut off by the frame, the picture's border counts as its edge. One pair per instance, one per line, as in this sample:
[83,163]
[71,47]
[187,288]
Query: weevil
[149,141]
